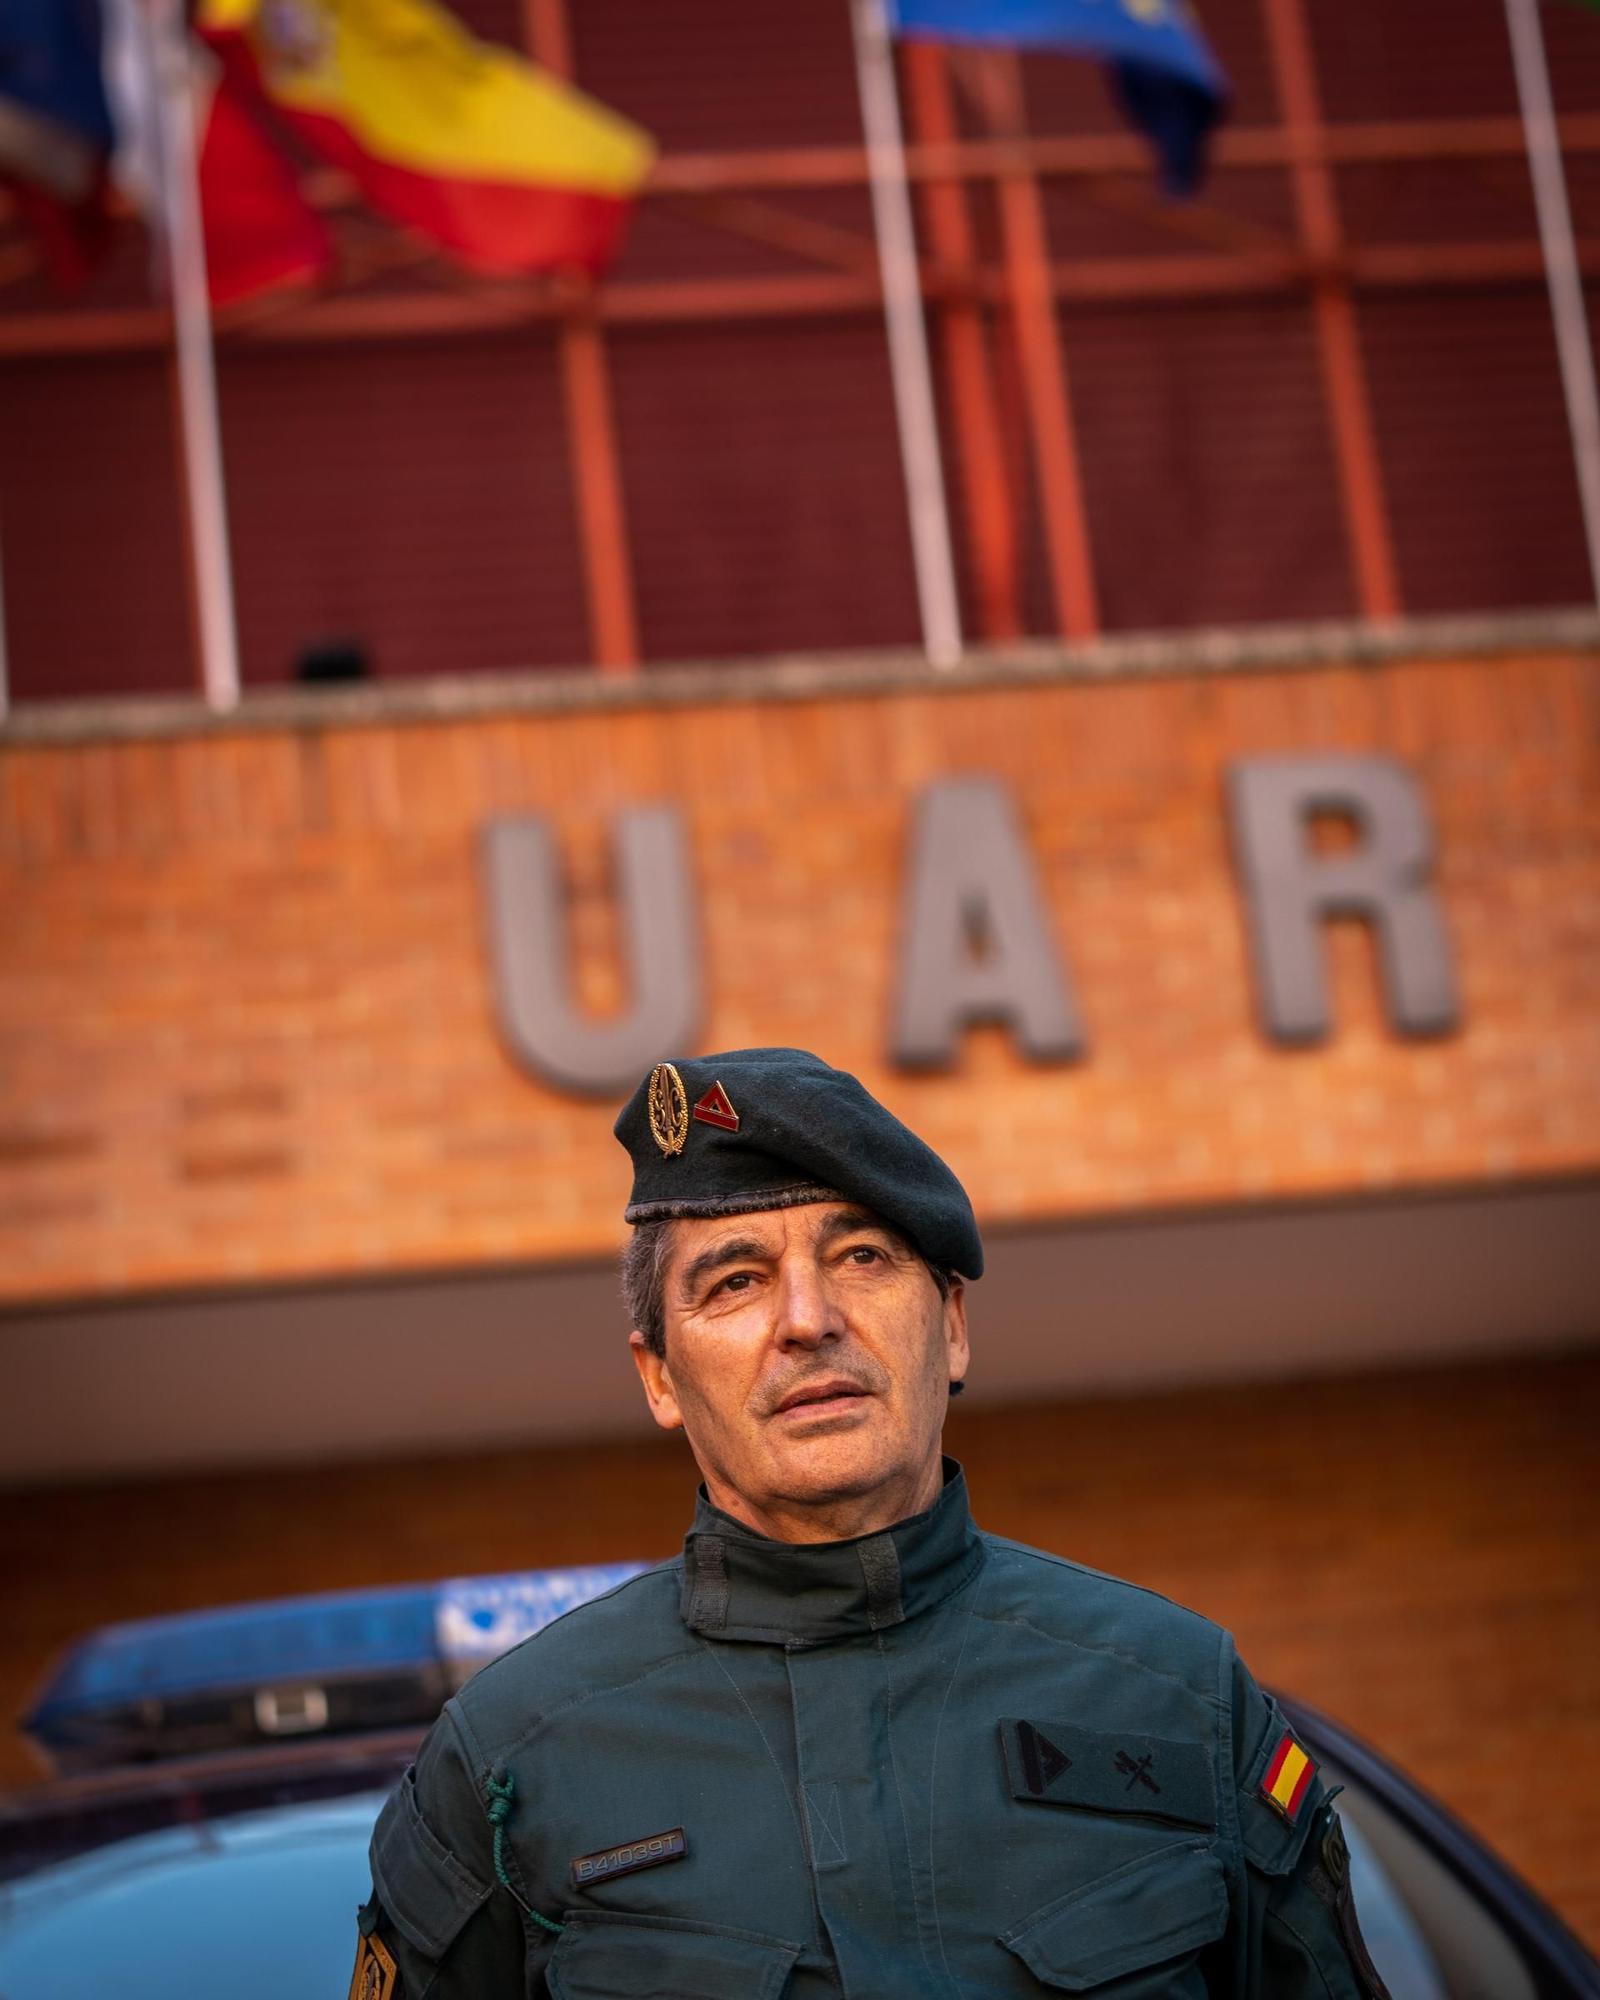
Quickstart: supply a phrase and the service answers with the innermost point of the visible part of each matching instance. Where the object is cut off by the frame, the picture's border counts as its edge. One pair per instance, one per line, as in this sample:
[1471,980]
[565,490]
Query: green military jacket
[927,1764]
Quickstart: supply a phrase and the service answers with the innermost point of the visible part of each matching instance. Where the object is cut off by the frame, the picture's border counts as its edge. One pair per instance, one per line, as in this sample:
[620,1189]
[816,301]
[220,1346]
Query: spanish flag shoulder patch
[1287,1778]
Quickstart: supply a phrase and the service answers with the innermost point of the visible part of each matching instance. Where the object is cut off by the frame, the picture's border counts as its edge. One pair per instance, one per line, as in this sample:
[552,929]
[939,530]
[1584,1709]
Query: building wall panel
[766,504]
[1165,395]
[247,1029]
[1477,458]
[91,528]
[416,497]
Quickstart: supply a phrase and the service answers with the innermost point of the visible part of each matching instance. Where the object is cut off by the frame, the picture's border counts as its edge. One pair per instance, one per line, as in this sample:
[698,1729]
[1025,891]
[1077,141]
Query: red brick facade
[247,1029]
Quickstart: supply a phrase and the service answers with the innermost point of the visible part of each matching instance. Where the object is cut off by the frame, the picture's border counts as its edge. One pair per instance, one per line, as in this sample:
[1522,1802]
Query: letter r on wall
[1292,890]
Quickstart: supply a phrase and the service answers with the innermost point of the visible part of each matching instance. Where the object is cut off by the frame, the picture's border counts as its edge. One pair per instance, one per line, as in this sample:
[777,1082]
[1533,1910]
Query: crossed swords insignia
[1137,1769]
[1043,1762]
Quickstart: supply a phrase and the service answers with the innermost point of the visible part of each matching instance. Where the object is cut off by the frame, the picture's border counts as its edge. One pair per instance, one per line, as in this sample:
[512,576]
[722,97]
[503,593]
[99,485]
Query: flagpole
[931,551]
[197,381]
[5,658]
[1562,275]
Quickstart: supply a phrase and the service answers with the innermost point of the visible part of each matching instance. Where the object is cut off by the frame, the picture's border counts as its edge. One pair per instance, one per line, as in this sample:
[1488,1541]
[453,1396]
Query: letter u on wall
[530,952]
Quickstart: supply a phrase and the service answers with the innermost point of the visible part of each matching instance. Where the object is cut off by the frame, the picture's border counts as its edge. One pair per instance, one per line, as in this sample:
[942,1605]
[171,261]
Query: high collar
[741,1585]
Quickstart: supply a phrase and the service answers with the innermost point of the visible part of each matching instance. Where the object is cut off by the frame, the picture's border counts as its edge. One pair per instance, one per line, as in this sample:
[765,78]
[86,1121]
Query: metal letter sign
[528,942]
[976,944]
[1292,890]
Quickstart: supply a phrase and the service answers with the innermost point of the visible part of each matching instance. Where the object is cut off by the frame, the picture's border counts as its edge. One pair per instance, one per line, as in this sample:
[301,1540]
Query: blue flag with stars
[55,128]
[50,65]
[1171,85]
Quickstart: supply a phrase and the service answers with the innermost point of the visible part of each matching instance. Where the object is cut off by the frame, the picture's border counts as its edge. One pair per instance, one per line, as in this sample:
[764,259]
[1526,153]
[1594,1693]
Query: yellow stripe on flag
[1294,1762]
[416,90]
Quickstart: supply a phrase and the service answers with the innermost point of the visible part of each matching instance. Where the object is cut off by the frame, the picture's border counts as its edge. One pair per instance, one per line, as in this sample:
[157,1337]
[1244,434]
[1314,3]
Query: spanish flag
[1287,1777]
[502,164]
[261,232]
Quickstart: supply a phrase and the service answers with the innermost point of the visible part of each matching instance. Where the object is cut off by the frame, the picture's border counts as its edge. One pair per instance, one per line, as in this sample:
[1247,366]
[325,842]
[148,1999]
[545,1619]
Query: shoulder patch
[1287,1778]
[1280,1794]
[375,1977]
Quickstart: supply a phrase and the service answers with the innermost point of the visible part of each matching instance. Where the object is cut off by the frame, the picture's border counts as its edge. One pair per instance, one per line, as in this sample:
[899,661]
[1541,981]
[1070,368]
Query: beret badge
[716,1108]
[669,1109]
[746,1130]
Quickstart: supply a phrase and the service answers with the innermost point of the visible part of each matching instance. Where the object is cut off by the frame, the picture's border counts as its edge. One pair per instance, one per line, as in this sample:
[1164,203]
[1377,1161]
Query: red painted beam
[990,519]
[591,421]
[1339,348]
[1043,364]
[1107,280]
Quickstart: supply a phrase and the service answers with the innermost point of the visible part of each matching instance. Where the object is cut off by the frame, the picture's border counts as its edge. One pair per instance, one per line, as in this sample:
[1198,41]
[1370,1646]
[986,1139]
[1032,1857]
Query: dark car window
[1471,1956]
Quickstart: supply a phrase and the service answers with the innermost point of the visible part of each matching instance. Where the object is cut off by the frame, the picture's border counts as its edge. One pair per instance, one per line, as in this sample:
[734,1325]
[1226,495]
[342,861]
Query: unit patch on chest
[1114,1771]
[626,1858]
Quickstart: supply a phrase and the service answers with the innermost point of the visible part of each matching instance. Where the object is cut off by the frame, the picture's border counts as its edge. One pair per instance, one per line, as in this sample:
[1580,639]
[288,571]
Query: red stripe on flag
[497,226]
[260,230]
[71,236]
[1279,1756]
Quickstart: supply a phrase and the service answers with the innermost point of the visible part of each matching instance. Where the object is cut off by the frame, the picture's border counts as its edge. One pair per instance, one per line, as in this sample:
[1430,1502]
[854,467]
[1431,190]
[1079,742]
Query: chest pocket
[1132,1934]
[652,1958]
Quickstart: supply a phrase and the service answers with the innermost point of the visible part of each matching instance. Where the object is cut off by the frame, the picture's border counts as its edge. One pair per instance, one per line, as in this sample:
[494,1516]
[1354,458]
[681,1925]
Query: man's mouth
[821,1398]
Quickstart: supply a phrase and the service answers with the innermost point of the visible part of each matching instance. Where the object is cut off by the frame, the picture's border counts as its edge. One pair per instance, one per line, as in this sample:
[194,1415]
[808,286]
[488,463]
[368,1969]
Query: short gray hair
[644,1280]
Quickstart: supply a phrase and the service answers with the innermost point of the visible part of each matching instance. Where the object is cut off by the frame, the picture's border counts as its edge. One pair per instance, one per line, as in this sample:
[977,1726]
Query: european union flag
[1170,83]
[50,65]
[55,128]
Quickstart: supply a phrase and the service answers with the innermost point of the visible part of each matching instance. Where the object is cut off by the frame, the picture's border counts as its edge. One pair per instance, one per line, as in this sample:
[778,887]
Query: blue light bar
[477,1618]
[241,1646]
[143,1681]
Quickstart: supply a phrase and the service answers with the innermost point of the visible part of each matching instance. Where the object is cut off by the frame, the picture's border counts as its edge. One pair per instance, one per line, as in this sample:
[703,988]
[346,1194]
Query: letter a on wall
[528,944]
[1293,890]
[976,945]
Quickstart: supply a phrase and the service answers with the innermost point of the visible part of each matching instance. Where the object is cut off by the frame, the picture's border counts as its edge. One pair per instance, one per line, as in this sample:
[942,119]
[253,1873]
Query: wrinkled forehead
[769,1233]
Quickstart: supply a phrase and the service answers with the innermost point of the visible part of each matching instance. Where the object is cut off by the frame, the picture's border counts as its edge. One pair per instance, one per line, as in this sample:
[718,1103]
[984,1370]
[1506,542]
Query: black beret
[771,1128]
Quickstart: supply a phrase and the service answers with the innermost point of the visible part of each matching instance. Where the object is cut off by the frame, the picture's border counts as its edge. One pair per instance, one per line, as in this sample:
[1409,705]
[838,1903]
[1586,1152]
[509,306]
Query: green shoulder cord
[501,1791]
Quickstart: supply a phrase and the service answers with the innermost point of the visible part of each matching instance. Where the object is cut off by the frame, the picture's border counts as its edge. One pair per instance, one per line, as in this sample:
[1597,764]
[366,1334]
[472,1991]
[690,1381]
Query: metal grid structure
[1369,207]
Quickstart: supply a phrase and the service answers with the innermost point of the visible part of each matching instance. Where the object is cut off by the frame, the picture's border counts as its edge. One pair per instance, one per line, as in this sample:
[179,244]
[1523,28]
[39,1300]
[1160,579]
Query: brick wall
[247,1031]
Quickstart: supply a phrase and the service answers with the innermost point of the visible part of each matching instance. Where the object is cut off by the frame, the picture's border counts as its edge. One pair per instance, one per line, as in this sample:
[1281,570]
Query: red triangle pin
[714,1109]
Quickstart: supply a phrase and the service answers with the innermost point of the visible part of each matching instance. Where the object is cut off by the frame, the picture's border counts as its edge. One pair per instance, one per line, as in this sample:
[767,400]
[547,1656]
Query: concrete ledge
[497,1358]
[567,690]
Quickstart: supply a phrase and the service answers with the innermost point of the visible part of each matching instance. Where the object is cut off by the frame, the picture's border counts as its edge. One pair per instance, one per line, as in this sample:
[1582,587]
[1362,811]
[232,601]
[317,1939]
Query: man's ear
[657,1380]
[955,1330]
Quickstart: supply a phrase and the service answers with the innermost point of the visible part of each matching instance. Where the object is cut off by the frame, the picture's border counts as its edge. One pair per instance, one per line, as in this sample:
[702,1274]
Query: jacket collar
[741,1585]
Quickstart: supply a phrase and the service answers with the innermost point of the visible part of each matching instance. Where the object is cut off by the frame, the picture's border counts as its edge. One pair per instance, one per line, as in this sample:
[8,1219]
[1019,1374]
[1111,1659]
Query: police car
[219,1775]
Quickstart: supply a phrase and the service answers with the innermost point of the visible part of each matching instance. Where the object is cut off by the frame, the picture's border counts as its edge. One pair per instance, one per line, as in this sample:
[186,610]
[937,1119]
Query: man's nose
[807,1312]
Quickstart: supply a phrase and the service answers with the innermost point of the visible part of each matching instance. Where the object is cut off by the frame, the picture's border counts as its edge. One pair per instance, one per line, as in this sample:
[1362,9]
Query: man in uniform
[846,1744]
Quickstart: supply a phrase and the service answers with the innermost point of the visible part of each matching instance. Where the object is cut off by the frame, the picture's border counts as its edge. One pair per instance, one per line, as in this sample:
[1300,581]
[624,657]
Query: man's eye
[735,1281]
[864,1253]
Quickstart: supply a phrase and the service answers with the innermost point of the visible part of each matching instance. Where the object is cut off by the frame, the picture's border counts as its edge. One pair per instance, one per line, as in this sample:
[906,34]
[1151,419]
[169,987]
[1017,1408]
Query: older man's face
[808,1359]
